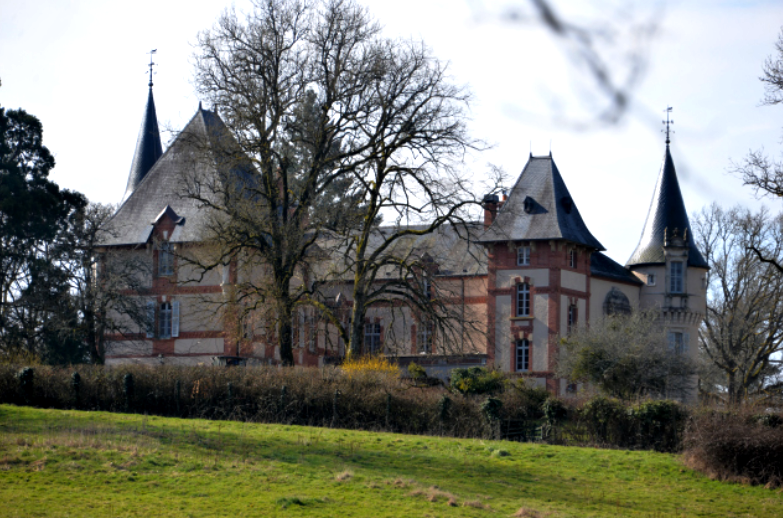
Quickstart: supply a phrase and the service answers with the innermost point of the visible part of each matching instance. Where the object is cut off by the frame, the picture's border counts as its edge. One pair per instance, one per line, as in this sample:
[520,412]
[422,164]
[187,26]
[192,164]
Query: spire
[667,216]
[148,146]
[668,123]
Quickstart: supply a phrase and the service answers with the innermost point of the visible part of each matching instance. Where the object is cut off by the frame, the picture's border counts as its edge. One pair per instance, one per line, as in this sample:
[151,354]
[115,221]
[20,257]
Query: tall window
[165,259]
[572,258]
[523,300]
[523,355]
[427,288]
[424,336]
[572,315]
[675,277]
[372,338]
[164,321]
[678,342]
[312,327]
[523,256]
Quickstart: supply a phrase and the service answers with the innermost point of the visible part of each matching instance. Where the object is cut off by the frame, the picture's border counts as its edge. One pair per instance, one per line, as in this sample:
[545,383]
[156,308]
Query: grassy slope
[55,463]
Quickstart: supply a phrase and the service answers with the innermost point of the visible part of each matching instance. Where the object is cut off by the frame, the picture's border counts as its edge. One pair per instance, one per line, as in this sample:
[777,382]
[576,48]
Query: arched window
[523,300]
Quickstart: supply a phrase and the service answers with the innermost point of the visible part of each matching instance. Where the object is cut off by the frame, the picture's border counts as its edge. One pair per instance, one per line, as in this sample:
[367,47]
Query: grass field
[60,463]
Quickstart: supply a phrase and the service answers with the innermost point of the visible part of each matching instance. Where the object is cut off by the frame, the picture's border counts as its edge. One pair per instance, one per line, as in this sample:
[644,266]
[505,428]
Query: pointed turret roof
[667,214]
[540,207]
[148,147]
[163,189]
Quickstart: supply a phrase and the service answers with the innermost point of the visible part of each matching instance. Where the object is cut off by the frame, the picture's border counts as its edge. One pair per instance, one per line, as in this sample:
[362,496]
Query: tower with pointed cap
[148,146]
[668,262]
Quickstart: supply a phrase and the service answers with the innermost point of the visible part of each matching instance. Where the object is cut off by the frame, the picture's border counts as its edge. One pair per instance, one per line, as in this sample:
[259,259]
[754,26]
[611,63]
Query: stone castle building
[530,272]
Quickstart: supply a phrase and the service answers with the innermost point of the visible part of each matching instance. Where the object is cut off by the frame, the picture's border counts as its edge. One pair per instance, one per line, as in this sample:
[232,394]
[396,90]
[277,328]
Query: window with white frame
[650,279]
[523,255]
[676,277]
[162,319]
[523,300]
[523,355]
[424,335]
[372,338]
[165,259]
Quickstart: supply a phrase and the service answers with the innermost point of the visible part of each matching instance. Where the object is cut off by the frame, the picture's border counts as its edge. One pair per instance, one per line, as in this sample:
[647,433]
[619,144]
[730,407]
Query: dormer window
[676,277]
[165,260]
[523,256]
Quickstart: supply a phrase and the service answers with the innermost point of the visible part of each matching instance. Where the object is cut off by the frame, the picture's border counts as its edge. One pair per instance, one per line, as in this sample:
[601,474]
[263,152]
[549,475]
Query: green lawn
[58,464]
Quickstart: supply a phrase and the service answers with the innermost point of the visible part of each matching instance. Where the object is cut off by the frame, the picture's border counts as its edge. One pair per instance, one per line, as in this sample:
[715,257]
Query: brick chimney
[490,204]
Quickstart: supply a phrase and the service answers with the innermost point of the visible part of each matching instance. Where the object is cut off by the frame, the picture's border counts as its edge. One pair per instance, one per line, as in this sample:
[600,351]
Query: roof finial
[668,123]
[153,51]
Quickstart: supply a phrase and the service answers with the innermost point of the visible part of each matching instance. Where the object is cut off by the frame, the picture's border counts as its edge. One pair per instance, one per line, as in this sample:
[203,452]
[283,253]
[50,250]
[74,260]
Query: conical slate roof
[148,147]
[164,187]
[667,213]
[540,207]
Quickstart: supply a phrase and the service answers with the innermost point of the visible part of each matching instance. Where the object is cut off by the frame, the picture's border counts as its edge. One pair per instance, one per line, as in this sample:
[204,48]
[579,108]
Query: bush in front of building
[740,446]
[477,380]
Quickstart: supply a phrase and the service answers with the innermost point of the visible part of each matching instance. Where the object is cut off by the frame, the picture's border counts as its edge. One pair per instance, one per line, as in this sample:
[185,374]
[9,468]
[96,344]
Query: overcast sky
[80,67]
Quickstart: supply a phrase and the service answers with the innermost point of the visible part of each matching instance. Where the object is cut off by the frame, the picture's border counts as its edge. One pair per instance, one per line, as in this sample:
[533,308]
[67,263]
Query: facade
[529,272]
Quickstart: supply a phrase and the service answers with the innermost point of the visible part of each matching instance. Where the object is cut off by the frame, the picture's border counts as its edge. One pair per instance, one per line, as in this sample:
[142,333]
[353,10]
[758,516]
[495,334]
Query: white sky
[79,65]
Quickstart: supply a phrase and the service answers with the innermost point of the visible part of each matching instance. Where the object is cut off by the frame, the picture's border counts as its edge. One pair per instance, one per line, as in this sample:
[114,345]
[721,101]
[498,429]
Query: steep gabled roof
[163,188]
[667,214]
[148,147]
[540,207]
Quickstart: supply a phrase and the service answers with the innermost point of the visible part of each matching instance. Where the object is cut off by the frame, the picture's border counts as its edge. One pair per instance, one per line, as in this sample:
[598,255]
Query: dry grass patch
[344,476]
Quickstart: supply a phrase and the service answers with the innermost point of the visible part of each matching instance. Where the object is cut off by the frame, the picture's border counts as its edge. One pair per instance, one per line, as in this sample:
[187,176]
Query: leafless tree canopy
[314,97]
[606,42]
[763,174]
[743,328]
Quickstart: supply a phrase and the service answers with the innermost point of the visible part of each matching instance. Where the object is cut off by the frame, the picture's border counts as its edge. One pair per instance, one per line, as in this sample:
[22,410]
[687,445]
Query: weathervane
[668,123]
[153,51]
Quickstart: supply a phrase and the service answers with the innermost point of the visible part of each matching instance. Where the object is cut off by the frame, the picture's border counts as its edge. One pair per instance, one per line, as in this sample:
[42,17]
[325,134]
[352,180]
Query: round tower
[671,267]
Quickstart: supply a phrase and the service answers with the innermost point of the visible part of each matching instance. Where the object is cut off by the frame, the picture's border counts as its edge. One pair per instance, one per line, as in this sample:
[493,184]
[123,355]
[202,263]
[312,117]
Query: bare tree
[763,174]
[389,128]
[743,328]
[607,44]
[627,356]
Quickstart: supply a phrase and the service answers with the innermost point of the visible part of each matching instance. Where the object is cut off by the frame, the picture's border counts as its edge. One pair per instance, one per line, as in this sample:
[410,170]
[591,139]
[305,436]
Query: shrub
[606,421]
[736,447]
[370,367]
[555,411]
[658,425]
[477,380]
[416,371]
